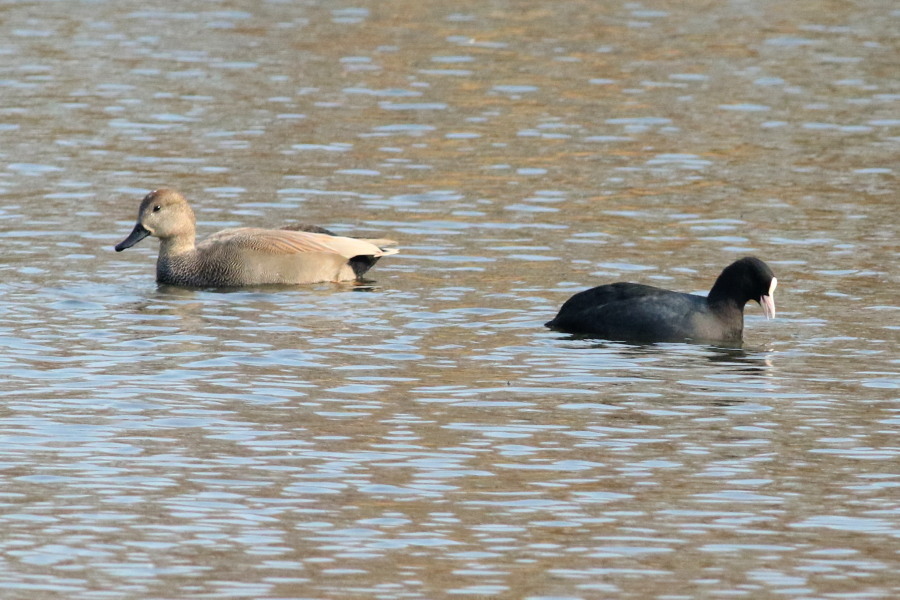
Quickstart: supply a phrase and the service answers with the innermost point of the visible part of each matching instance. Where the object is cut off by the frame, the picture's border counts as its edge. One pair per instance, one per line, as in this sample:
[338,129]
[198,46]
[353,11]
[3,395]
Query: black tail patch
[362,263]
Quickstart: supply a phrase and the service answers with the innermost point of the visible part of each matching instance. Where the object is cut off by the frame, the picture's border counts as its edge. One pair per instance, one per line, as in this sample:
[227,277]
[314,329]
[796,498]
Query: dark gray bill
[137,234]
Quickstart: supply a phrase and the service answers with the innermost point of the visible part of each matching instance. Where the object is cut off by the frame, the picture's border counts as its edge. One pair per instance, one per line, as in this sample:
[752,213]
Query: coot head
[743,280]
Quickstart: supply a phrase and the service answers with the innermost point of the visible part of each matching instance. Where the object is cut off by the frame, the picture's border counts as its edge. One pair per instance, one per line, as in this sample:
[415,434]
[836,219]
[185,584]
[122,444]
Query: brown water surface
[425,436]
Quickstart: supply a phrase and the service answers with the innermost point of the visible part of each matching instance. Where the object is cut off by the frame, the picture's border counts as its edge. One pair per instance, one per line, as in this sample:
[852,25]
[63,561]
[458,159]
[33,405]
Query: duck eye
[156,208]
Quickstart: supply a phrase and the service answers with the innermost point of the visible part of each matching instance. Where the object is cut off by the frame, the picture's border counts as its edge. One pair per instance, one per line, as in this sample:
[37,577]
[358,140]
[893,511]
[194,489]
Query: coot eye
[156,208]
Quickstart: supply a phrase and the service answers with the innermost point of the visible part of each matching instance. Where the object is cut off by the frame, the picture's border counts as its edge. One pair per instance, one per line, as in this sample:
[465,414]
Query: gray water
[424,435]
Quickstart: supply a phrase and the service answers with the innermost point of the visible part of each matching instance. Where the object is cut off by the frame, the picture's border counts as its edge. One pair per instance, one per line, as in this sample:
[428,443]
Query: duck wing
[283,242]
[319,229]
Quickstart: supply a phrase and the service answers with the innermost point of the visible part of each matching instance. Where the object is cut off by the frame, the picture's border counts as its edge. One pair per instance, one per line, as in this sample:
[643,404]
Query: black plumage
[643,313]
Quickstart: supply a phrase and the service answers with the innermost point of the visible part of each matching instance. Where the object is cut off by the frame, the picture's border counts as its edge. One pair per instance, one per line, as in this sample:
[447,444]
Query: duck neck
[178,245]
[176,254]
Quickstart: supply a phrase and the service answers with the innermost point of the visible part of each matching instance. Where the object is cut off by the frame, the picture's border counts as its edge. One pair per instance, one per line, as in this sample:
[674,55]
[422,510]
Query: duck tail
[388,251]
[381,242]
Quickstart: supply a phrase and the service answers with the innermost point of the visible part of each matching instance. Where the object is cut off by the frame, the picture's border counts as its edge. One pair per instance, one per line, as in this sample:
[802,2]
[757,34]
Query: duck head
[164,214]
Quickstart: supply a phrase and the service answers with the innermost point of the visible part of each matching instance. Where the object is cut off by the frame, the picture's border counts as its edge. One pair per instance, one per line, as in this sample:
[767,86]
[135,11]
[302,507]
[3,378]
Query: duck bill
[768,306]
[137,234]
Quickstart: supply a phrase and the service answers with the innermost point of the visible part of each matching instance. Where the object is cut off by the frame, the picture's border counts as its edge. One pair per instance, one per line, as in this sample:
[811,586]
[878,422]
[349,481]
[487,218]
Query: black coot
[642,313]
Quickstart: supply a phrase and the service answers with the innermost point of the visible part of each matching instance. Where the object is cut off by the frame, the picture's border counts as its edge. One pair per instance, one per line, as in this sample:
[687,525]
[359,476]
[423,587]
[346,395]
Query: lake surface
[423,435]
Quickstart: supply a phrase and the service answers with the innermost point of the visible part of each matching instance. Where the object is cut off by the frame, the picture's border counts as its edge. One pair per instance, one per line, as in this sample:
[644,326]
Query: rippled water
[424,435]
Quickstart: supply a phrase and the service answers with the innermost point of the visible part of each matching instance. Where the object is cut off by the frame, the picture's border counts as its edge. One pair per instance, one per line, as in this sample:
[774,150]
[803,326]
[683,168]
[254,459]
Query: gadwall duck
[246,255]
[642,313]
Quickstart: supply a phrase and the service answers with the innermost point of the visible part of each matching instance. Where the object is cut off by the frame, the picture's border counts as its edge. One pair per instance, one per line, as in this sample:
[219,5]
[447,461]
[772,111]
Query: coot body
[643,313]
